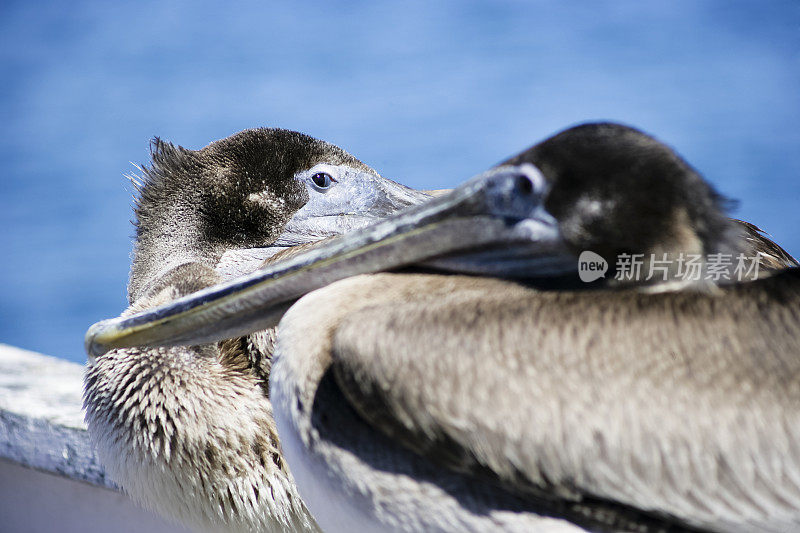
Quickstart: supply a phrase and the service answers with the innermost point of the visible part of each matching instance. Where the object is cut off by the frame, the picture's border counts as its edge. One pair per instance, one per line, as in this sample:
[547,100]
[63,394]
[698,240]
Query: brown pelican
[417,401]
[189,431]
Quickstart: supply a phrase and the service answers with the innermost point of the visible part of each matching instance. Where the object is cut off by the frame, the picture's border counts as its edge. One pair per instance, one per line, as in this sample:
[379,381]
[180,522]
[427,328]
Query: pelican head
[242,199]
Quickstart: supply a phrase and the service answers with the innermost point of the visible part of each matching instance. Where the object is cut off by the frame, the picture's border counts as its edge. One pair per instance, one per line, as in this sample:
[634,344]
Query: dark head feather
[615,189]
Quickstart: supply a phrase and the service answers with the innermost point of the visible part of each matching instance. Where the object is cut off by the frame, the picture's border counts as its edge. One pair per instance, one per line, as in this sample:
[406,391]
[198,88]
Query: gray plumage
[466,399]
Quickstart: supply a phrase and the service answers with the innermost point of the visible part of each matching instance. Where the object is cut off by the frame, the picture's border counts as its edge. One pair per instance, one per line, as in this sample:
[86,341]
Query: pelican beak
[493,224]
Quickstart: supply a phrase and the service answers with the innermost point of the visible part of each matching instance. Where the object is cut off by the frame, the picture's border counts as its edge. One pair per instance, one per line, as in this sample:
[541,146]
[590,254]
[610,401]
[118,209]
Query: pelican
[188,431]
[428,400]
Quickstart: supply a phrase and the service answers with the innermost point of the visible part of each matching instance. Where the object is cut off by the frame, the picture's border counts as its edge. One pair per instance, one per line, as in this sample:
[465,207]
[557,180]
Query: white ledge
[50,477]
[41,423]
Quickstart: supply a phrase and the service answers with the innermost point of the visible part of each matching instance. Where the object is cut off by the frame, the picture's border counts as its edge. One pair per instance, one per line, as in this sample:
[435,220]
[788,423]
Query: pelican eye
[322,180]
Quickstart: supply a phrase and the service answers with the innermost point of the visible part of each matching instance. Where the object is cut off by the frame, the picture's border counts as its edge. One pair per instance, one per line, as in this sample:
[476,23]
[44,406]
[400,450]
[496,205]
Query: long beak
[494,223]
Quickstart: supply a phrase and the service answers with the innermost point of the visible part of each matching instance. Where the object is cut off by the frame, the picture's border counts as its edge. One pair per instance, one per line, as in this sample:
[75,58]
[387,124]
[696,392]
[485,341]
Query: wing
[679,404]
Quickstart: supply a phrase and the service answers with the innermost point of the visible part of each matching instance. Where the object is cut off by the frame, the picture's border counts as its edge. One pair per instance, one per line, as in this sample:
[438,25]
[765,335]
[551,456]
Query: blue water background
[429,93]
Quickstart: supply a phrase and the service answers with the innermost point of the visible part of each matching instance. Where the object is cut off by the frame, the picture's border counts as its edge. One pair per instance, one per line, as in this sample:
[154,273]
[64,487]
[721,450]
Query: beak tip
[93,340]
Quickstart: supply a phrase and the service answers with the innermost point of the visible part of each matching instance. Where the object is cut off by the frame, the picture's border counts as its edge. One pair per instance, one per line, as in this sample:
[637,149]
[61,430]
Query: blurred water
[428,93]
